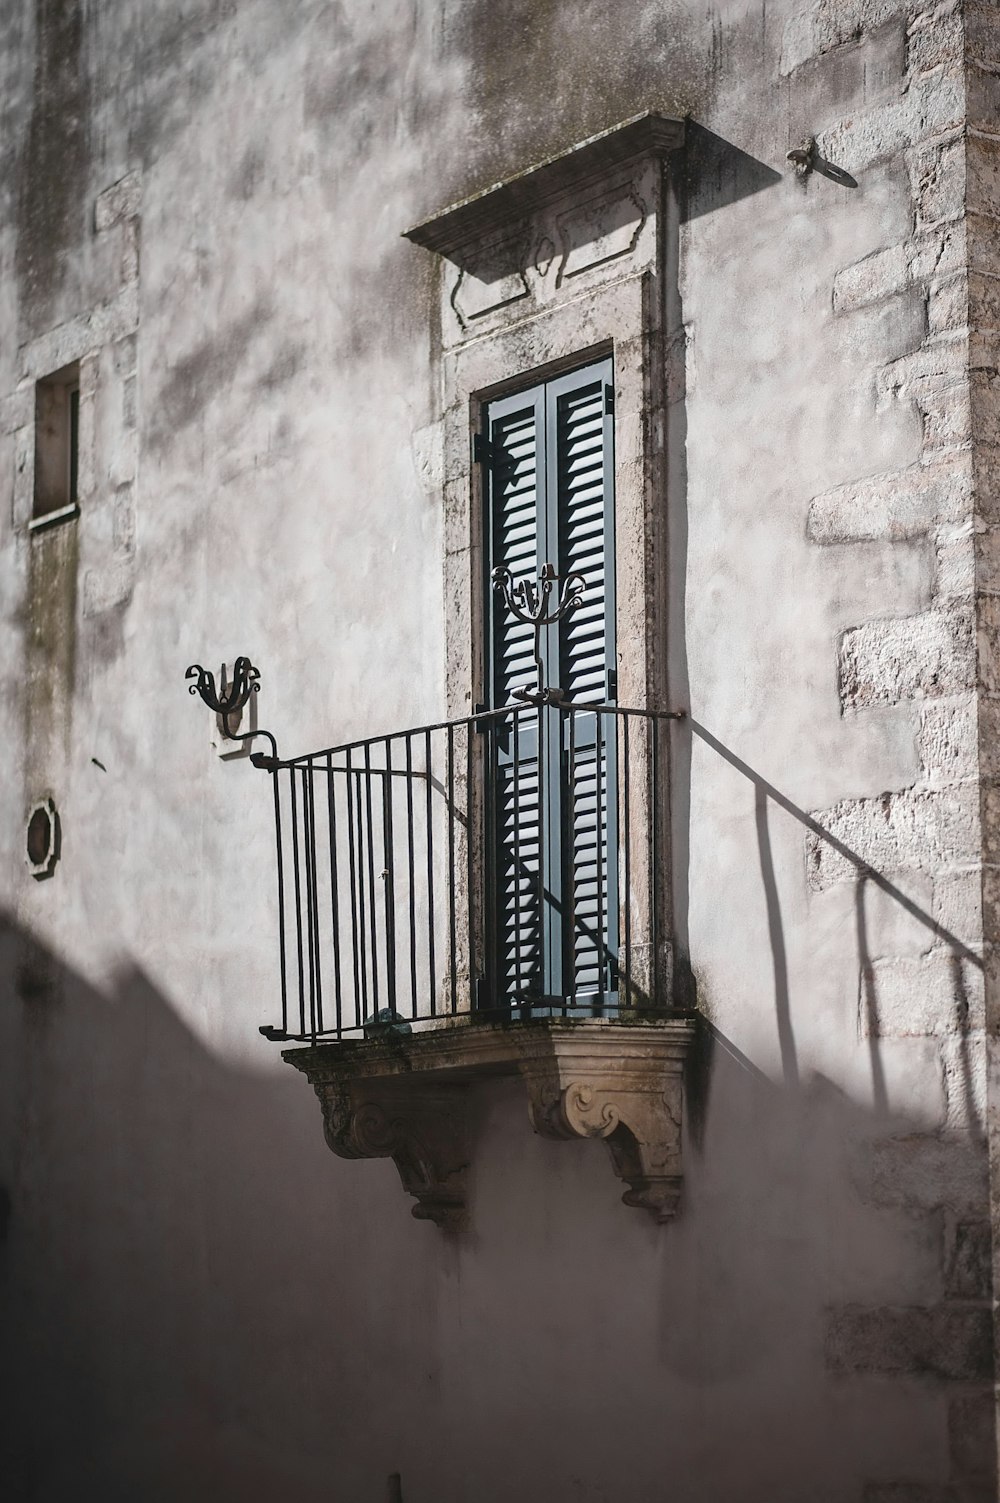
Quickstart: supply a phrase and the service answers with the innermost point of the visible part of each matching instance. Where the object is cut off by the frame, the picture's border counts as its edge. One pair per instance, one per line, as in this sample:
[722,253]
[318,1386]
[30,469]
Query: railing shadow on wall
[867,876]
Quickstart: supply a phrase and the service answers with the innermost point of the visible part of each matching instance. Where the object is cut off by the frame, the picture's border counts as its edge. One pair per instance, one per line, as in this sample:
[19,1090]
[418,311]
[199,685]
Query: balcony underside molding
[405,1097]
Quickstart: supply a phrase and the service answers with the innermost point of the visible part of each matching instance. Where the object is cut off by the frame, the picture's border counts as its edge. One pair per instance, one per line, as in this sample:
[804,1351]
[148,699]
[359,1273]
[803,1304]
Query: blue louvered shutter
[581,486]
[515,495]
[581,516]
[549,497]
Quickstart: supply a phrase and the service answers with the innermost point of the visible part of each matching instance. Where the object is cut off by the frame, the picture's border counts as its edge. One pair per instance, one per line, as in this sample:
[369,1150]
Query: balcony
[479,897]
[505,867]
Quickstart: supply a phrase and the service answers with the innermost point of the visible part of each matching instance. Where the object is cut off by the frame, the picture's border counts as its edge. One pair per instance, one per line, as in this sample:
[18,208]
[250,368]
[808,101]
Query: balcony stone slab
[405,1097]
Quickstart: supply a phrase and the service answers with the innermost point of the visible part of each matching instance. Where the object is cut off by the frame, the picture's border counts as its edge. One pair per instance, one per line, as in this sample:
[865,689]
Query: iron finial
[529,602]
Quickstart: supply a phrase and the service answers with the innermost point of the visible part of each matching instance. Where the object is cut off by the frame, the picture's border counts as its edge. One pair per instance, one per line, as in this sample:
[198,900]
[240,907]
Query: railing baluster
[308,855]
[331,810]
[275,783]
[470,855]
[452,917]
[431,968]
[373,1004]
[297,883]
[569,926]
[543,846]
[600,796]
[626,972]
[654,820]
[313,778]
[411,873]
[389,879]
[515,863]
[355,827]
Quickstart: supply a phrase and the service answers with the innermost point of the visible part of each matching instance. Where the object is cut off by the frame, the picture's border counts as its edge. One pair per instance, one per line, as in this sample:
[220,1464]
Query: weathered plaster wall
[202,202]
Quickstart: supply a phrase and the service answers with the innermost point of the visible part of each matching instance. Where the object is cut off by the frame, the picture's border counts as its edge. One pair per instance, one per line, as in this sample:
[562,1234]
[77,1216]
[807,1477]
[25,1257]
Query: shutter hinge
[481,448]
[612,694]
[479,726]
[609,397]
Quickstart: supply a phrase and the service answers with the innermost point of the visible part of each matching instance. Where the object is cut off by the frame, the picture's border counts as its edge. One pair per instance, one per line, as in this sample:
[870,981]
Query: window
[550,499]
[57,446]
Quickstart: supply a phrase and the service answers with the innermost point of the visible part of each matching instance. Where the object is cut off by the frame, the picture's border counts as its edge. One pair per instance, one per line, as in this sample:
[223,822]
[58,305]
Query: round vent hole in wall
[42,838]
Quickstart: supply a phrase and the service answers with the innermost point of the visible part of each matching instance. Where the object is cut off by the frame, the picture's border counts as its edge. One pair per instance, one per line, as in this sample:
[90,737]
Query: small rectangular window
[57,446]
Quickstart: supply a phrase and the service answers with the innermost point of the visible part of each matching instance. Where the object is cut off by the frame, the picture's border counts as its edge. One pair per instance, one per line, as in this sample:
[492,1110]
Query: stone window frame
[43,365]
[567,263]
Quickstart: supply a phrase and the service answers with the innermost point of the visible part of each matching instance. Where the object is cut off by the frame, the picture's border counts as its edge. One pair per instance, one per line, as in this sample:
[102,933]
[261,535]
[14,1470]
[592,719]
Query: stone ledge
[404,1096]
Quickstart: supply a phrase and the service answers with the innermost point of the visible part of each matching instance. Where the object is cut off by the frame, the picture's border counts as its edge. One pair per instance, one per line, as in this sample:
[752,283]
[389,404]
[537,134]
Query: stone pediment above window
[544,234]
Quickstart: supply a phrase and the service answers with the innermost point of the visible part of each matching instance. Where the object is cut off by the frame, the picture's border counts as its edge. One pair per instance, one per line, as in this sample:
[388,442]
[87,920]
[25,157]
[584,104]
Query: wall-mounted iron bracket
[229,699]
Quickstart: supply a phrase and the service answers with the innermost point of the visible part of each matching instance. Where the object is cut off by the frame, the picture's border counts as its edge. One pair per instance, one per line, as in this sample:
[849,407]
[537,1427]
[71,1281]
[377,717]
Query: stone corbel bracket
[424,1133]
[404,1097]
[625,1086]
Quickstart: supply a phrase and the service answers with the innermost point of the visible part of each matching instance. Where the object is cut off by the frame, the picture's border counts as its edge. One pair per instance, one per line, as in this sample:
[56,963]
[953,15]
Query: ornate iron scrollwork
[229,699]
[529,602]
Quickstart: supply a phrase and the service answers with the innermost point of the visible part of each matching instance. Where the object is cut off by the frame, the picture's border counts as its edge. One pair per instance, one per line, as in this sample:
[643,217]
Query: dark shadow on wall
[54,165]
[869,996]
[716,173]
[199,1301]
[709,174]
[776,933]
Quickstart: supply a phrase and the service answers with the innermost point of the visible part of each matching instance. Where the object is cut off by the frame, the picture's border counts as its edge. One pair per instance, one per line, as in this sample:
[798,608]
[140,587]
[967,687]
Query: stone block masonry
[951,1341]
[943,663]
[885,661]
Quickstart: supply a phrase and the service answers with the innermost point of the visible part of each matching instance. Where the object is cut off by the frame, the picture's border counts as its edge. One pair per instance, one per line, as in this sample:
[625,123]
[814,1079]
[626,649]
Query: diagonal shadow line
[813,825]
[869,997]
[786,1038]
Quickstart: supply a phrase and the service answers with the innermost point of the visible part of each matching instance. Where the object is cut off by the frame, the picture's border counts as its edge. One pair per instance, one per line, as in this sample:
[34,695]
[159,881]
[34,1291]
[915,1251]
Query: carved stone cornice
[404,1097]
[495,209]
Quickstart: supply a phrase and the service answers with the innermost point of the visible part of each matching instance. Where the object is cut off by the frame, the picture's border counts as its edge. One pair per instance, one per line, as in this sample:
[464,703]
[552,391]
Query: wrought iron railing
[511,863]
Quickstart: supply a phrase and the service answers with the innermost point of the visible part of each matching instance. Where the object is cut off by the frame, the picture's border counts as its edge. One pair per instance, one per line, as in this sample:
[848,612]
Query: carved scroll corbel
[423,1133]
[635,1106]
